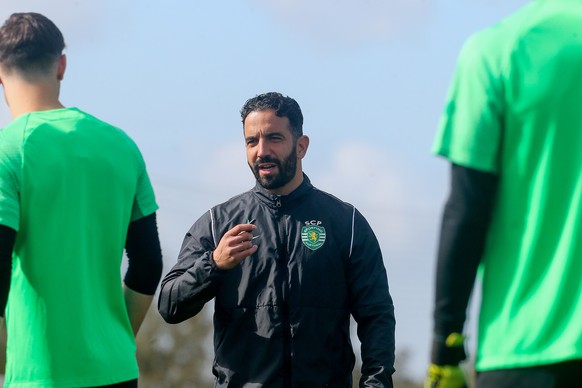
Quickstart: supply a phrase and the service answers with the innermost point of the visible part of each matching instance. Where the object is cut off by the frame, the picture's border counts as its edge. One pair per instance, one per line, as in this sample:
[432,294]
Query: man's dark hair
[29,42]
[283,106]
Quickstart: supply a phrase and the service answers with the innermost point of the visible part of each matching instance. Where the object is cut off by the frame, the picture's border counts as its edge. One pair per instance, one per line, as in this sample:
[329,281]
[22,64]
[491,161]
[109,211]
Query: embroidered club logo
[313,235]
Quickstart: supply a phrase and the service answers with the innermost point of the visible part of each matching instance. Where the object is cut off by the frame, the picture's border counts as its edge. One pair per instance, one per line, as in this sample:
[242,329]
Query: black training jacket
[282,315]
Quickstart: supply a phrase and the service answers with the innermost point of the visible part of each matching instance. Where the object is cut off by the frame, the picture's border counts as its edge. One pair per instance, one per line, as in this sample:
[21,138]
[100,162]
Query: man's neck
[24,97]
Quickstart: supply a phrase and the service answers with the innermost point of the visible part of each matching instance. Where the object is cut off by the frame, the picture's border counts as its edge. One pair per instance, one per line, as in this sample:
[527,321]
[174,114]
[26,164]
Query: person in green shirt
[74,192]
[512,130]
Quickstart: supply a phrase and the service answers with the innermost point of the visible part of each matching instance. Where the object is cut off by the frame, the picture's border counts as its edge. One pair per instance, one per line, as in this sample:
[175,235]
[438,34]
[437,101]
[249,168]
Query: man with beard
[287,264]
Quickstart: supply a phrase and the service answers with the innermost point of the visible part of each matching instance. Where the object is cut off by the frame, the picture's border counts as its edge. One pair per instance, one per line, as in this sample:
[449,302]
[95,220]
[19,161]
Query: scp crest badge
[313,235]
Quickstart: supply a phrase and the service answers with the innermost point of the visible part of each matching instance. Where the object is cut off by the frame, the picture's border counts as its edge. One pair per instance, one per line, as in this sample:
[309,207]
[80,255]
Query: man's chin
[269,183]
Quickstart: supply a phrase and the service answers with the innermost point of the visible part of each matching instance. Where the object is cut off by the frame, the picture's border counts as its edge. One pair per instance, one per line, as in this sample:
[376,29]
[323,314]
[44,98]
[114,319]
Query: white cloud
[225,170]
[206,178]
[383,188]
[364,172]
[388,191]
[333,23]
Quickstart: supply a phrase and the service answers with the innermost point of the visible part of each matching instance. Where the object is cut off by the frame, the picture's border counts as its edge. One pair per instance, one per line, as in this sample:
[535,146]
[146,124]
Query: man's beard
[287,168]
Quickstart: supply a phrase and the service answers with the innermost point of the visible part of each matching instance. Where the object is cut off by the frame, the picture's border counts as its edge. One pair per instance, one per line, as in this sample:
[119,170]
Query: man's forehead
[266,122]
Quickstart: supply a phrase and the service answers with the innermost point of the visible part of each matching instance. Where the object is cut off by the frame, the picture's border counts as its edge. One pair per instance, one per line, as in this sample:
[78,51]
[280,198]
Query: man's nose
[262,148]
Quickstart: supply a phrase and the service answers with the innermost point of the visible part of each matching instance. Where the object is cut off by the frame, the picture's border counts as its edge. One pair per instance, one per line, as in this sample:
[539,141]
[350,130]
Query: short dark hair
[283,106]
[29,42]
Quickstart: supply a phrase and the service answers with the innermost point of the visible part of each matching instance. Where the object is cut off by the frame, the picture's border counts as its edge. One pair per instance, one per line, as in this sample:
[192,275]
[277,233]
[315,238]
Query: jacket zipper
[283,261]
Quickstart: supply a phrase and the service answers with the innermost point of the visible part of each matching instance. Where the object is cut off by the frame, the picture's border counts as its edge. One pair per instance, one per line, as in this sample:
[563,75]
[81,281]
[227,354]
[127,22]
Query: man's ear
[302,145]
[62,66]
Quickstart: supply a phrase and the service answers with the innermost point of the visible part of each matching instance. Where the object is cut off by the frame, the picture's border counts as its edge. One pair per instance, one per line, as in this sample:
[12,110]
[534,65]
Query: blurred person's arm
[144,268]
[465,222]
[7,238]
[138,305]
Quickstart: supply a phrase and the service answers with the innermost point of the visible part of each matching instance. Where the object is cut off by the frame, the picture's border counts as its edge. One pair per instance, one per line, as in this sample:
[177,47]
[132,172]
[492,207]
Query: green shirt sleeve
[144,202]
[471,126]
[10,168]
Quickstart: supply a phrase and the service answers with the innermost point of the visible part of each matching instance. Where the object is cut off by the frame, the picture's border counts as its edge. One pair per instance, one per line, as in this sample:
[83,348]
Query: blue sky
[370,75]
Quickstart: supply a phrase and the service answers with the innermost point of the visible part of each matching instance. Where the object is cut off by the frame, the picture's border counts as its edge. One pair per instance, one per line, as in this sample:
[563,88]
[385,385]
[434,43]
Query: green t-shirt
[69,184]
[515,109]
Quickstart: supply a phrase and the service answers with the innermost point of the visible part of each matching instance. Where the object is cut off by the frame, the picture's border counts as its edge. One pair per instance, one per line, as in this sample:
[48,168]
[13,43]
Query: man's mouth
[267,168]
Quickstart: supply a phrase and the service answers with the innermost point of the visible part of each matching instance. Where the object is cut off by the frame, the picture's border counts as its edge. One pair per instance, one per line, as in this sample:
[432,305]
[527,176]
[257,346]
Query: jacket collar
[278,201]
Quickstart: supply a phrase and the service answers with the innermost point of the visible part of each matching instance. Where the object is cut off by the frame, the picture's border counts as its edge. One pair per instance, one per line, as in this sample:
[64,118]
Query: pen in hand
[252,222]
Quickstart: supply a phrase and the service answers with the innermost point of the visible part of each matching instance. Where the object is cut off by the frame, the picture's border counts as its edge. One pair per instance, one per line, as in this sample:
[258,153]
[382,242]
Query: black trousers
[566,374]
[125,384]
